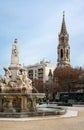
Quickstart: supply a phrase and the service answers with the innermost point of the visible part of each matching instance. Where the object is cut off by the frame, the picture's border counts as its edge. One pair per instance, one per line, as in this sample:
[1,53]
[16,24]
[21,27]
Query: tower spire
[63,27]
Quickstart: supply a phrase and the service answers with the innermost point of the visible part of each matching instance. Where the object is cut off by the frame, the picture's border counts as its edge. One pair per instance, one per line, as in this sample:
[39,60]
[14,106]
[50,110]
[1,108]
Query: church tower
[63,49]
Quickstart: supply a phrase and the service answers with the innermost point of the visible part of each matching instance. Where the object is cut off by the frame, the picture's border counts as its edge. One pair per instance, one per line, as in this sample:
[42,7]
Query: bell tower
[63,48]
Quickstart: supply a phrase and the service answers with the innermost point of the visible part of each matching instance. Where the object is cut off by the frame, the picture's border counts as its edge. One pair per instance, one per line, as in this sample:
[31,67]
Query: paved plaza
[68,122]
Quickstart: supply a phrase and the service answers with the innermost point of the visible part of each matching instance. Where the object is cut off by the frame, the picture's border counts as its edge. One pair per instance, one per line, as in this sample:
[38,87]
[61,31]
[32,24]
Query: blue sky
[36,24]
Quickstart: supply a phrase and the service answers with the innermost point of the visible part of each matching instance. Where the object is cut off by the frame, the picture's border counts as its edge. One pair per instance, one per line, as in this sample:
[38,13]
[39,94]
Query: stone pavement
[75,122]
[69,113]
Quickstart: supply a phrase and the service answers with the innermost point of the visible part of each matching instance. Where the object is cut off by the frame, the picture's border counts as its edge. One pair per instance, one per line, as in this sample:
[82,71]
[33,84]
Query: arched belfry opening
[61,53]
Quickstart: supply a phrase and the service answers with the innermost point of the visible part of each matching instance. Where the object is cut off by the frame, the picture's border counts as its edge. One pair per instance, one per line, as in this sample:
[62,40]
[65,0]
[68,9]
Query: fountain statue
[16,97]
[16,89]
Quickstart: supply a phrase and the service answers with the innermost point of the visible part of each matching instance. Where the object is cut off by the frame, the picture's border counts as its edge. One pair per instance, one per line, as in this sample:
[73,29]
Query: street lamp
[47,92]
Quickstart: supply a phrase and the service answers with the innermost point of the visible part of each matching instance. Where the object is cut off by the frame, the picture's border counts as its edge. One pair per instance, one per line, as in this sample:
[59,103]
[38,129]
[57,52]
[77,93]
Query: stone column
[23,104]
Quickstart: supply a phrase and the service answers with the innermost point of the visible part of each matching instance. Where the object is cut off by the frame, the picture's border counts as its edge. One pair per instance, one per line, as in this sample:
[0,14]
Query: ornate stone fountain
[16,97]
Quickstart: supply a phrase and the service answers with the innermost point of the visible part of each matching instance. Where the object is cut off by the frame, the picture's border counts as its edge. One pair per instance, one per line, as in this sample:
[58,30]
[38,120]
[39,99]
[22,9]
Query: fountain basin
[24,105]
[48,110]
[18,104]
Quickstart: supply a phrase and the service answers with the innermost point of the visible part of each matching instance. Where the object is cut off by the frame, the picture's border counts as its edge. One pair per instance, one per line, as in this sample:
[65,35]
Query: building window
[30,74]
[61,53]
[30,71]
[40,71]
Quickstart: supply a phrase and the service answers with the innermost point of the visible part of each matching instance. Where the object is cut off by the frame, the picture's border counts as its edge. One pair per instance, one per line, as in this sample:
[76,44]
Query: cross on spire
[63,13]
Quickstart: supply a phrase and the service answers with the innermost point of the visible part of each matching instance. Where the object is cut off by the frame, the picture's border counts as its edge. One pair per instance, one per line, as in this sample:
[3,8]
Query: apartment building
[40,70]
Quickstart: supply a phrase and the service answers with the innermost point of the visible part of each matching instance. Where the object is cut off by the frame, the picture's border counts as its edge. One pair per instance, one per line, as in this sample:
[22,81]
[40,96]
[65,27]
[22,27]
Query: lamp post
[47,92]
